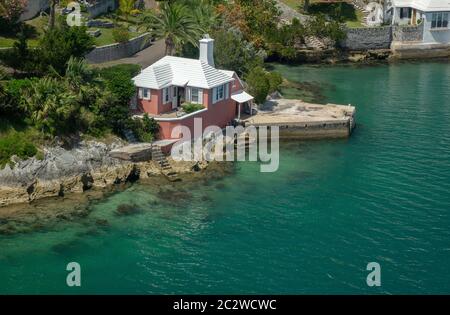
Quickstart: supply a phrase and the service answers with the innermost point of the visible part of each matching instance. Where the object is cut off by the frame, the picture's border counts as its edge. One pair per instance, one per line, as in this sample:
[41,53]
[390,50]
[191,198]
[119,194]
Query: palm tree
[126,7]
[51,22]
[175,24]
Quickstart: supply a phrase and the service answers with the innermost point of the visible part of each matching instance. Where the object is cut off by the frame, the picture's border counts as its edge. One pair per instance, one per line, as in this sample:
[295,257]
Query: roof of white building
[424,5]
[181,72]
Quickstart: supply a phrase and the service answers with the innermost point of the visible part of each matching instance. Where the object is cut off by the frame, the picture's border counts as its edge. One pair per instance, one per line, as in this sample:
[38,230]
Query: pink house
[166,85]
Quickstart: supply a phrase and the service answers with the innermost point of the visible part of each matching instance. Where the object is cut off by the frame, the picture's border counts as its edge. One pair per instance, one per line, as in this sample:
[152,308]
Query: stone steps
[166,168]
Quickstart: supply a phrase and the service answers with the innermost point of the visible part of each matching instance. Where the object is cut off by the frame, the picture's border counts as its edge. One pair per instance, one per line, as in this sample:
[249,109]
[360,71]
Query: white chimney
[207,50]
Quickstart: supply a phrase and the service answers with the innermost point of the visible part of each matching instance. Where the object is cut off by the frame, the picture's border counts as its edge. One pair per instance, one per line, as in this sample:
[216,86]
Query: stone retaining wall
[117,51]
[407,33]
[366,38]
[103,6]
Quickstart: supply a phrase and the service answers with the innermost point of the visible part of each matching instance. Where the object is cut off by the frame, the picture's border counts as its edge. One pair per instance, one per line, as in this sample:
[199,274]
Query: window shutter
[188,94]
[200,96]
[140,93]
[149,96]
[227,91]
[214,95]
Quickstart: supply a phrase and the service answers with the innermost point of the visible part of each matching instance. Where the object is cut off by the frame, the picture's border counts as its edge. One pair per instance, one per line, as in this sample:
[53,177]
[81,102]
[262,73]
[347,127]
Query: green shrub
[145,129]
[261,83]
[128,68]
[118,80]
[190,107]
[121,35]
[15,143]
[58,45]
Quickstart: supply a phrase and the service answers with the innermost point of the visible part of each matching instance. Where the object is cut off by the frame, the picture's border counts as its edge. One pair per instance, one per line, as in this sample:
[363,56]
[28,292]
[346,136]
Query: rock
[127,209]
[102,222]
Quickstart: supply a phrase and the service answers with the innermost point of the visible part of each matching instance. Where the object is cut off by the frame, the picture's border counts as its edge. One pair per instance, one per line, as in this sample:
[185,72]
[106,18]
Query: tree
[126,7]
[175,24]
[58,45]
[20,56]
[51,21]
[52,108]
[233,52]
[261,83]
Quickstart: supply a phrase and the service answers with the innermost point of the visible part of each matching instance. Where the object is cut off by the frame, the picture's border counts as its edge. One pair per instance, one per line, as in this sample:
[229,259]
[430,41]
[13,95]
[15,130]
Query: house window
[405,13]
[196,96]
[144,93]
[221,92]
[439,20]
[166,95]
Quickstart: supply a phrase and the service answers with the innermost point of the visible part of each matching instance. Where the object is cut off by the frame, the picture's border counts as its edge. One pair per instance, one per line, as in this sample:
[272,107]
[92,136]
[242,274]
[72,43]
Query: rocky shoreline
[86,167]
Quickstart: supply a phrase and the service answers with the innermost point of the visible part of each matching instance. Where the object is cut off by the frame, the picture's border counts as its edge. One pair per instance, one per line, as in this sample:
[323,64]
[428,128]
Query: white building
[434,14]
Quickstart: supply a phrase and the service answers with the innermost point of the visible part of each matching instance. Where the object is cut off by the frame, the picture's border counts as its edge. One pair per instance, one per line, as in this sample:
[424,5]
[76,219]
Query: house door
[175,97]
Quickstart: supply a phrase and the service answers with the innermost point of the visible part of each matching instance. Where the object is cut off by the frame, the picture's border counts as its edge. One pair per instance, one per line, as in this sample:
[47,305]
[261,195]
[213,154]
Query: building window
[196,96]
[166,95]
[221,92]
[405,13]
[439,20]
[144,93]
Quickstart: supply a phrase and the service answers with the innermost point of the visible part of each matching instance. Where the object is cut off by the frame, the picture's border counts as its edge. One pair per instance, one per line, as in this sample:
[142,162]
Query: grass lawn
[39,24]
[107,37]
[341,11]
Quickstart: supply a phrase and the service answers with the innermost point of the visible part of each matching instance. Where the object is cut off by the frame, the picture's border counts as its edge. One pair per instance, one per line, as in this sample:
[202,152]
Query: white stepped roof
[180,72]
[424,5]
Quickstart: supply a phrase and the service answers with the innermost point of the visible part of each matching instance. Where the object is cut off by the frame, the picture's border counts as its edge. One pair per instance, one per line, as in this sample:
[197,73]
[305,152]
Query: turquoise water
[312,227]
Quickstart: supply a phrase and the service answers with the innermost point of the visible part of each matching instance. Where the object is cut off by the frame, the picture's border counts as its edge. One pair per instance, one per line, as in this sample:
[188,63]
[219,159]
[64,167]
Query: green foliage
[121,34]
[338,11]
[322,28]
[232,51]
[59,44]
[126,7]
[261,83]
[15,143]
[19,57]
[145,129]
[52,108]
[175,24]
[109,73]
[191,107]
[11,96]
[275,80]
[118,80]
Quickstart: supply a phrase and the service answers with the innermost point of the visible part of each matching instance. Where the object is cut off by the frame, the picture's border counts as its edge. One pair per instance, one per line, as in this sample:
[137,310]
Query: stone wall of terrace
[367,38]
[407,33]
[121,50]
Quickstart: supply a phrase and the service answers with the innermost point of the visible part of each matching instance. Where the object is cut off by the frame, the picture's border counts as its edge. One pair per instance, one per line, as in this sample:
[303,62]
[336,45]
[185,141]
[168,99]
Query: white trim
[182,117]
[227,91]
[140,93]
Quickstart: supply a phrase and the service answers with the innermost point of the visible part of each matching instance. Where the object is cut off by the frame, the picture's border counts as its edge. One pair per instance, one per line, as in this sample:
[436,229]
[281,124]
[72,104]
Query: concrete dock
[301,120]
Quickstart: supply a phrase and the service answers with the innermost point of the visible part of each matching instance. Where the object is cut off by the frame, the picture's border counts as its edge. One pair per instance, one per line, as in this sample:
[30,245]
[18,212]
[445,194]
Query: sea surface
[311,227]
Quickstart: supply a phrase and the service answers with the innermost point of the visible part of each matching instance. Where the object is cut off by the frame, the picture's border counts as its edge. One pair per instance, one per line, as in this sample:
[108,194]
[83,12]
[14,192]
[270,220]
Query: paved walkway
[144,58]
